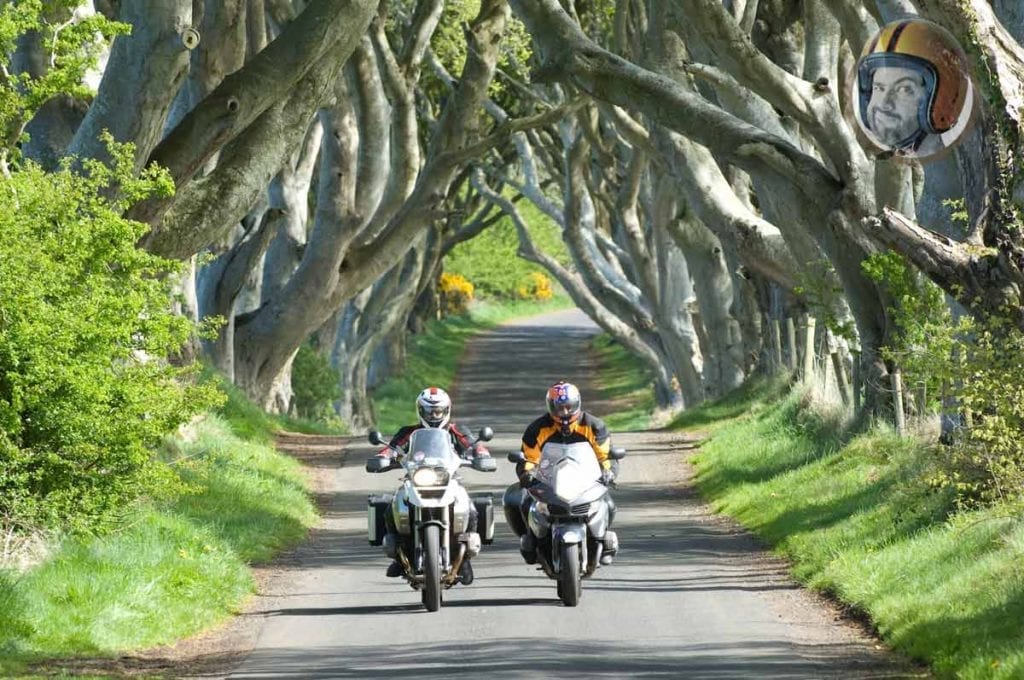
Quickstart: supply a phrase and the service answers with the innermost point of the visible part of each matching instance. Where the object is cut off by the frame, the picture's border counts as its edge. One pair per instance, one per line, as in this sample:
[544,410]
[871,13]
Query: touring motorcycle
[568,517]
[431,511]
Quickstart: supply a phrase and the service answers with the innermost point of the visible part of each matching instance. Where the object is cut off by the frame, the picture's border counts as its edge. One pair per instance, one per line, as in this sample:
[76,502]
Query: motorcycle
[568,517]
[431,511]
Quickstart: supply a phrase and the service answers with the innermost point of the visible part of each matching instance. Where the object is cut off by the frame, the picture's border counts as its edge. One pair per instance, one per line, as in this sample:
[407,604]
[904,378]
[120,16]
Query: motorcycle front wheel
[432,567]
[569,576]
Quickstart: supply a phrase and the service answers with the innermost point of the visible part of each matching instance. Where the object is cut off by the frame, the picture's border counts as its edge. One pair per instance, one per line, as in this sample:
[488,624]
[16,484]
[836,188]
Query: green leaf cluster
[86,329]
[490,261]
[986,463]
[820,292]
[71,44]
[316,386]
[977,365]
[925,333]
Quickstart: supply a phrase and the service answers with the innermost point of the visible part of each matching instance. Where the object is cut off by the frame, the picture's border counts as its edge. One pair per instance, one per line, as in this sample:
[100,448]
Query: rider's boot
[466,573]
[528,547]
[395,569]
[611,546]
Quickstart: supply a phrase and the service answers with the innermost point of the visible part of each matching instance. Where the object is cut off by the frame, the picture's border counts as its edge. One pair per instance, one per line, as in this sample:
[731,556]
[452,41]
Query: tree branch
[971,275]
[565,51]
[326,27]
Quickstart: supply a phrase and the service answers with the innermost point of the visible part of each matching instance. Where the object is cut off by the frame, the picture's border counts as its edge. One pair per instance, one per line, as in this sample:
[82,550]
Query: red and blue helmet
[564,403]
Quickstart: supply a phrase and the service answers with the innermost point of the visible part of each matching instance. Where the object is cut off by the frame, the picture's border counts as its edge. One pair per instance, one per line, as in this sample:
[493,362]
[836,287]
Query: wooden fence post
[897,396]
[858,380]
[808,372]
[791,337]
[777,339]
[837,364]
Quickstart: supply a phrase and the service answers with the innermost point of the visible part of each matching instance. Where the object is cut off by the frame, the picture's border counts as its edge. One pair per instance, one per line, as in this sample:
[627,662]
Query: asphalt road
[689,595]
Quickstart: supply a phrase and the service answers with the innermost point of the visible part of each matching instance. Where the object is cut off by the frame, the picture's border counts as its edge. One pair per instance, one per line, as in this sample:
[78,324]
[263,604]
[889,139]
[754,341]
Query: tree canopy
[698,160]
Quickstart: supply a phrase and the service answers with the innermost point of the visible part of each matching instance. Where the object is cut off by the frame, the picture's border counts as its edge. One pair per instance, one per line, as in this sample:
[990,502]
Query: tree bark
[142,76]
[330,26]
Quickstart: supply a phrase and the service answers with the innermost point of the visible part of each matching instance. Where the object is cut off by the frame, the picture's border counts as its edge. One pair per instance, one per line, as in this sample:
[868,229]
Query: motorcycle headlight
[430,477]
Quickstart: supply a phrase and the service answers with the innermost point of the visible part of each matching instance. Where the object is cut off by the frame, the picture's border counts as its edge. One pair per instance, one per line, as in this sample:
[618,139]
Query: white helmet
[434,407]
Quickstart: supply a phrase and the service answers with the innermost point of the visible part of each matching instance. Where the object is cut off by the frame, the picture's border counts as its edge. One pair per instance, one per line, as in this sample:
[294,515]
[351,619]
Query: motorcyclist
[434,407]
[565,423]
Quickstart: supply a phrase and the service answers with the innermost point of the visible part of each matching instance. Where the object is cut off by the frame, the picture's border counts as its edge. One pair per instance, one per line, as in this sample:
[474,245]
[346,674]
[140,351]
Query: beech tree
[696,157]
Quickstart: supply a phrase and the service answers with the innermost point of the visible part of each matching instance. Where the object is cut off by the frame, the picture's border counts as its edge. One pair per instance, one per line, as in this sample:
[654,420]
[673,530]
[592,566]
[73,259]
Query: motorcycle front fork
[421,515]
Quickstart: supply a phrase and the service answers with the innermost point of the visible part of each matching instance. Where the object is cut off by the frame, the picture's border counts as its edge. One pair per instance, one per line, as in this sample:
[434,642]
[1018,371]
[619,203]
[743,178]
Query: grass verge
[434,355]
[858,520]
[175,567]
[251,423]
[625,384]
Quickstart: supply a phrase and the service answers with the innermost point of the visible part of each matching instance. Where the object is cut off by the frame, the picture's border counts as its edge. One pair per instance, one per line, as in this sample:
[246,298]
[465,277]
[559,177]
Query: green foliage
[251,423]
[316,386]
[822,294]
[73,47]
[491,262]
[178,568]
[449,42]
[976,363]
[13,622]
[924,336]
[855,520]
[957,210]
[597,19]
[986,463]
[85,325]
[449,45]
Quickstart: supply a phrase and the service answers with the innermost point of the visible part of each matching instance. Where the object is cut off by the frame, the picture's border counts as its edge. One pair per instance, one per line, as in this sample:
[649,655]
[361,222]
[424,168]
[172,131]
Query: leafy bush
[85,325]
[536,287]
[456,294]
[315,384]
[986,462]
[976,364]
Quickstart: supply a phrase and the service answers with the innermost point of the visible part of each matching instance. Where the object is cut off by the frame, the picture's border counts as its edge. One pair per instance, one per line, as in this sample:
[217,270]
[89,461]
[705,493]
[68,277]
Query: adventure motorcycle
[430,511]
[568,517]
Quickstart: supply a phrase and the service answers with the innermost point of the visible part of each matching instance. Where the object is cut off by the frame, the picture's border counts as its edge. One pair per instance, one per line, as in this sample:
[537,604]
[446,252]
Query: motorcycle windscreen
[569,469]
[432,447]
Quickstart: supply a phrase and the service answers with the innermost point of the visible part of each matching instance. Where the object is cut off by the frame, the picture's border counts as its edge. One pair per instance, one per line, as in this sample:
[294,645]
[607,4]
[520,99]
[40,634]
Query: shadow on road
[538,657]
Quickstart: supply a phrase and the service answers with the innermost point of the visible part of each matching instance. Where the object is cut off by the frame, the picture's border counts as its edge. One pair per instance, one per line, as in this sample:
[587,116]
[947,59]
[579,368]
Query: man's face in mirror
[896,94]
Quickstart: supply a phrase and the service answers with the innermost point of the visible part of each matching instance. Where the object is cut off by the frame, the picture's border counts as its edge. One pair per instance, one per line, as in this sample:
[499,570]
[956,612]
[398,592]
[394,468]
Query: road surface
[689,595]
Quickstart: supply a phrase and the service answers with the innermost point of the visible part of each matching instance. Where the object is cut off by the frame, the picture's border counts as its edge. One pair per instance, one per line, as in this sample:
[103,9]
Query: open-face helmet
[928,50]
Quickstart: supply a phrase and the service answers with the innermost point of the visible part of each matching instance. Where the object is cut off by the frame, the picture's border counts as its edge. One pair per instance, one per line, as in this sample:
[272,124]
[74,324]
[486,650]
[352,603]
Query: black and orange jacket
[401,439]
[588,428]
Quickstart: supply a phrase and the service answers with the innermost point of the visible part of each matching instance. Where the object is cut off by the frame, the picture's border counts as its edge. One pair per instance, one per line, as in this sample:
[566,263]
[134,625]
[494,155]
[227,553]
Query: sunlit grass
[858,519]
[252,423]
[174,569]
[626,382]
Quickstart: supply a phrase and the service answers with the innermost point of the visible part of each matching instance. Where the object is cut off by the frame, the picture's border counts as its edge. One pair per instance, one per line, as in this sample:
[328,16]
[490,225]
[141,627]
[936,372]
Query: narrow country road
[689,596]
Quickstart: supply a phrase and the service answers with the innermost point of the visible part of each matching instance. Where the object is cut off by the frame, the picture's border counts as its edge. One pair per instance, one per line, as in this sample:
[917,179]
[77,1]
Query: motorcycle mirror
[515,456]
[617,453]
[378,464]
[376,438]
[485,464]
[486,434]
